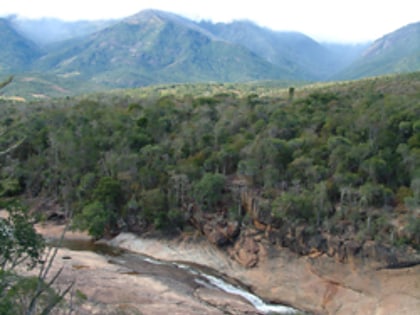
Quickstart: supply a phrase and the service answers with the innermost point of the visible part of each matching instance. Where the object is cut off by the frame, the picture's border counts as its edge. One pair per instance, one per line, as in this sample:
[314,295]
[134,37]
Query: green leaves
[208,191]
[19,241]
[99,216]
[145,158]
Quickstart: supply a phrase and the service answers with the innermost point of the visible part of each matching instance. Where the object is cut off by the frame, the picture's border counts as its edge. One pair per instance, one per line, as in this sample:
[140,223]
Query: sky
[349,21]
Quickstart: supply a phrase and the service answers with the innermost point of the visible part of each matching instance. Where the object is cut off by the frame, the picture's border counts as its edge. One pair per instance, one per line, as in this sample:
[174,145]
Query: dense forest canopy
[342,154]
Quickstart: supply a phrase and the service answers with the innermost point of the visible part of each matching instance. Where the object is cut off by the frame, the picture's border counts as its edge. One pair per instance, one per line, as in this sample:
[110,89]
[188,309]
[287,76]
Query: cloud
[356,20]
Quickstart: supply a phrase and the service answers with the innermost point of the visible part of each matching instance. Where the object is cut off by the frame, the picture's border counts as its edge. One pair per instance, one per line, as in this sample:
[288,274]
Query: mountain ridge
[395,52]
[153,47]
[162,47]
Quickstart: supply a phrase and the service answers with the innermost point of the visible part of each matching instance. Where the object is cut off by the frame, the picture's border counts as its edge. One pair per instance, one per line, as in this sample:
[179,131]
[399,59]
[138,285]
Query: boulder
[216,228]
[248,250]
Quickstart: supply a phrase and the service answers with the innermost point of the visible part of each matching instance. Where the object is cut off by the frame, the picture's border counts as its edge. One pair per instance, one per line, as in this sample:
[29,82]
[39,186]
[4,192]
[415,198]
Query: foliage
[18,240]
[19,295]
[21,247]
[208,191]
[99,215]
[144,158]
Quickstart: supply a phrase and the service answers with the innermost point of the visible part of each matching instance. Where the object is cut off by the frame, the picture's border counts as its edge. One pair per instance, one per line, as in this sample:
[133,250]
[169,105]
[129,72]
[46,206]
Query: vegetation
[154,47]
[329,157]
[21,248]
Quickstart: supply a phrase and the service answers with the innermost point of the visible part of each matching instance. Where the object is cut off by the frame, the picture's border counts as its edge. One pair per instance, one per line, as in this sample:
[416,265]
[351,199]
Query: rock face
[305,241]
[107,286]
[217,229]
[315,283]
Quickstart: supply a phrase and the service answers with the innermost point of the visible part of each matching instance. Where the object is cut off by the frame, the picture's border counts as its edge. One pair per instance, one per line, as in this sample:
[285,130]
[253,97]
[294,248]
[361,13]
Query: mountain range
[153,47]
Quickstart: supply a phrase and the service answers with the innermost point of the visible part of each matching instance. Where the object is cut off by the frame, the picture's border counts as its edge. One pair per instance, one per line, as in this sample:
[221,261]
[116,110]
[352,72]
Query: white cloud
[356,20]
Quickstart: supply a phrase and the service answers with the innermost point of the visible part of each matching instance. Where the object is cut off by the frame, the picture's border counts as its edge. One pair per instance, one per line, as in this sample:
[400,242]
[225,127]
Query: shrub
[208,191]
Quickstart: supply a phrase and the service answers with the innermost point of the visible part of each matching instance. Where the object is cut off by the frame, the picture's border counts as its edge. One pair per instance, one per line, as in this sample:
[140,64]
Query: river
[189,276]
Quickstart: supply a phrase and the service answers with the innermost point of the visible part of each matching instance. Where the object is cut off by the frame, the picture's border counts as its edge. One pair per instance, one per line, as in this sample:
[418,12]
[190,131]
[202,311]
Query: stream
[190,276]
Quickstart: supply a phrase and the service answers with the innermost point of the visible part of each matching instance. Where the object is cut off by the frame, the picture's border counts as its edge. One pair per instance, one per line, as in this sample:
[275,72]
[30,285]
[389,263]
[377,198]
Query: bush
[208,191]
[294,206]
[94,218]
[19,241]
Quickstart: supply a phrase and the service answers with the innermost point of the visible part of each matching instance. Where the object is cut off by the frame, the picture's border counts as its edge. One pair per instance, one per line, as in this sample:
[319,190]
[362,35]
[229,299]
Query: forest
[335,157]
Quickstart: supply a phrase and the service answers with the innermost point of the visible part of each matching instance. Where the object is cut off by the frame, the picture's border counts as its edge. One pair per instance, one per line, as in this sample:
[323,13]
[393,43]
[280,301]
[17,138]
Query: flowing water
[190,276]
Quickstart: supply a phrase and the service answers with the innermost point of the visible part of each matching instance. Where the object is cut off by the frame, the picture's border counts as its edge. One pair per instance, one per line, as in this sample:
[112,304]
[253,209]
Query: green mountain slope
[16,53]
[153,47]
[396,52]
[305,58]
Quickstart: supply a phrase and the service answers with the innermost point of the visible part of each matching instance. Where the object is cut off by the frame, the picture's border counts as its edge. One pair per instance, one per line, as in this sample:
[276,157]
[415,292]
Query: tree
[99,216]
[2,132]
[18,241]
[208,191]
[20,246]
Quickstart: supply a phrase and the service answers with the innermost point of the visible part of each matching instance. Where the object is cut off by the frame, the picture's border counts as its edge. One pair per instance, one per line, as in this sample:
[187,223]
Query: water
[188,274]
[259,304]
[208,280]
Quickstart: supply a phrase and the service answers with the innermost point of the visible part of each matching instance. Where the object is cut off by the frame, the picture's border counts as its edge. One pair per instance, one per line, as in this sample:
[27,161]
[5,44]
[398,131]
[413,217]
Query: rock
[246,258]
[247,251]
[379,253]
[259,225]
[214,235]
[217,229]
[317,285]
[225,302]
[56,217]
[318,243]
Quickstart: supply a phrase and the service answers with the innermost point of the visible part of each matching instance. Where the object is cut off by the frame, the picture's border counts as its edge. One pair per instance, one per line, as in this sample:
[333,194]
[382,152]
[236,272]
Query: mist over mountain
[154,47]
[345,54]
[51,30]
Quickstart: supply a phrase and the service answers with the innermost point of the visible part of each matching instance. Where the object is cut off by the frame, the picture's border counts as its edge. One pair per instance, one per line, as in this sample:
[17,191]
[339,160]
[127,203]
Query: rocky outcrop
[247,251]
[125,284]
[216,227]
[306,240]
[319,284]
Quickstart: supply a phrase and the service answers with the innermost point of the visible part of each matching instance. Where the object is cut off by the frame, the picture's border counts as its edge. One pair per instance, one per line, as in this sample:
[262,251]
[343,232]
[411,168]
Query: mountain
[396,52]
[154,47]
[344,54]
[17,53]
[306,58]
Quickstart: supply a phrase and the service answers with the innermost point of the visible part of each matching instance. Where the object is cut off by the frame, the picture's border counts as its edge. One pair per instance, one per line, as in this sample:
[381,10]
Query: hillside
[17,53]
[339,160]
[306,59]
[397,52]
[153,47]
